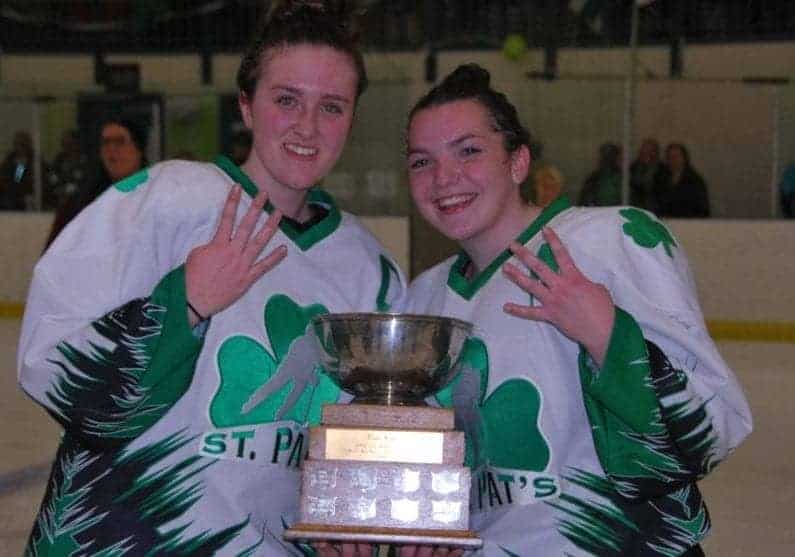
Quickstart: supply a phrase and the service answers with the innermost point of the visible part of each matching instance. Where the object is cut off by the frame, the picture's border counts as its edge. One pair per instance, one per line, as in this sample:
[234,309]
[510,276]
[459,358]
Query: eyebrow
[300,93]
[459,140]
[454,143]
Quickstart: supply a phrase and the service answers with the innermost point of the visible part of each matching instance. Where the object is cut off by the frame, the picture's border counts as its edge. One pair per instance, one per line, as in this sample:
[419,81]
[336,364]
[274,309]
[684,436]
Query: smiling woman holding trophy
[159,312]
[595,396]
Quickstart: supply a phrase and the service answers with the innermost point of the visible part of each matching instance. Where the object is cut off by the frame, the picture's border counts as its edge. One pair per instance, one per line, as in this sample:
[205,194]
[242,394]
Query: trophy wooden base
[385,475]
[373,535]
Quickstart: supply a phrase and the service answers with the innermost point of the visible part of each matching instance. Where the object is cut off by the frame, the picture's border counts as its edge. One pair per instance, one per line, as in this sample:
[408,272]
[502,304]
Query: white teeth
[297,149]
[453,200]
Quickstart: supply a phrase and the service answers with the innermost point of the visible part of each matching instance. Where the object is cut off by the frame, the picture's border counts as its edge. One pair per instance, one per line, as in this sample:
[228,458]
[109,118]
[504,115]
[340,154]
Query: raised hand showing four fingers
[580,309]
[219,272]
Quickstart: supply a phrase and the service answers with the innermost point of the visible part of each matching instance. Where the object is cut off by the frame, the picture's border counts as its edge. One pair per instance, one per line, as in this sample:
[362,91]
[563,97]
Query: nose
[446,173]
[306,125]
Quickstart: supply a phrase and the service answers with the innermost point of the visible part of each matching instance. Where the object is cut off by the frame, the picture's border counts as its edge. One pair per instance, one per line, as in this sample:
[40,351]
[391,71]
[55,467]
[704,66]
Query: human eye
[287,101]
[470,150]
[418,163]
[333,108]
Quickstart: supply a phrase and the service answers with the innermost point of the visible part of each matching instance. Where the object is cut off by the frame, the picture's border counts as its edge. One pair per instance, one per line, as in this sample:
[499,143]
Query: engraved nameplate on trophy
[385,445]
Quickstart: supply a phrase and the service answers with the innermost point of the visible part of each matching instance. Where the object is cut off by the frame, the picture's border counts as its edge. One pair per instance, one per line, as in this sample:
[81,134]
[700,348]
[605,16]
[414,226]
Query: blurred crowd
[668,185]
[665,182]
[73,178]
[61,178]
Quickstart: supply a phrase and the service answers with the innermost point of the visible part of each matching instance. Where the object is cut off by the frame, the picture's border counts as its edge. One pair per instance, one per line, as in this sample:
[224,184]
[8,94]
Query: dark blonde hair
[331,23]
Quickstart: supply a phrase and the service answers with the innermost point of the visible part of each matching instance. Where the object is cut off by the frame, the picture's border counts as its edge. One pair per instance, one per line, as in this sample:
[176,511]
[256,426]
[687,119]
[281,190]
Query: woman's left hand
[325,549]
[328,549]
[580,309]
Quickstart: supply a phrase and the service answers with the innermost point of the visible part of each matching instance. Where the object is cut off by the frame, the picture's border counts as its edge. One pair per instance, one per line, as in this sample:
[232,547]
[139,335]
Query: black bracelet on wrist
[194,310]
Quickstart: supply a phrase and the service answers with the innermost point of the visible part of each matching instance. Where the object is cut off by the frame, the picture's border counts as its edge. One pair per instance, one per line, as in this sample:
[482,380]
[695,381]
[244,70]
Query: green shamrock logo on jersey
[245,366]
[646,231]
[503,428]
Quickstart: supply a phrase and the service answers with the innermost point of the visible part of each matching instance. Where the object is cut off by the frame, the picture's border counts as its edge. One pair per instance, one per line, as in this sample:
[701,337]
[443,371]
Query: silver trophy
[389,467]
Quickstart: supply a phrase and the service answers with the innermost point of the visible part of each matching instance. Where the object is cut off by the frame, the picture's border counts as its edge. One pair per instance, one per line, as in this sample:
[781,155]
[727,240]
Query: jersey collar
[467,288]
[303,239]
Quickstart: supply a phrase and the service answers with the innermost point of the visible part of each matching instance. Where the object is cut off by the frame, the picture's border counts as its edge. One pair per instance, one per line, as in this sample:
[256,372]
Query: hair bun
[468,78]
[341,13]
[287,8]
[336,8]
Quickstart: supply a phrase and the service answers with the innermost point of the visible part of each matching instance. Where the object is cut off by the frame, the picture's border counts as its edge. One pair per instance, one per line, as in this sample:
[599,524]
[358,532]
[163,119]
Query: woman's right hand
[219,272]
[327,549]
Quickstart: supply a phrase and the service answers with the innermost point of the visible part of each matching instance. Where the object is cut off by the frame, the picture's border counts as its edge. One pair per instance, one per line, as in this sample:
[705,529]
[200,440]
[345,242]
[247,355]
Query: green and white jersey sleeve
[570,459]
[108,295]
[160,454]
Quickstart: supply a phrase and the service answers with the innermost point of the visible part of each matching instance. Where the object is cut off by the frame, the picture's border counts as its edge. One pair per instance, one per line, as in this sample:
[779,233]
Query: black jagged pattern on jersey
[99,392]
[115,504]
[686,419]
[623,527]
[654,506]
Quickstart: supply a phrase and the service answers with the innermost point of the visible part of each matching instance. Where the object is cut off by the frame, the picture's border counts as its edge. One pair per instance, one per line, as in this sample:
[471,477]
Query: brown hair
[472,82]
[329,23]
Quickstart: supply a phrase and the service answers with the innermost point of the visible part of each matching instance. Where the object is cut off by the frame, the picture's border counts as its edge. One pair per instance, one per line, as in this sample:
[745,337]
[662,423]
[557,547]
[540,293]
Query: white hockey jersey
[161,455]
[570,459]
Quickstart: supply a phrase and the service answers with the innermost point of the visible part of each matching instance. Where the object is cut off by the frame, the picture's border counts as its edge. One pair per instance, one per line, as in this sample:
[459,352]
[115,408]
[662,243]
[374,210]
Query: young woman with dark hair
[592,396]
[155,316]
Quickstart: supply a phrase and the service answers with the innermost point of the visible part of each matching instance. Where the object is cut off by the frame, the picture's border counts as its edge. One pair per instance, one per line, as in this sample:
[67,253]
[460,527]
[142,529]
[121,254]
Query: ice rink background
[750,497]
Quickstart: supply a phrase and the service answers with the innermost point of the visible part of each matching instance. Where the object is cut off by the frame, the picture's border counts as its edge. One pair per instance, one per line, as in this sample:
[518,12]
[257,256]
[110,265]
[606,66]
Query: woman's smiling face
[462,178]
[300,116]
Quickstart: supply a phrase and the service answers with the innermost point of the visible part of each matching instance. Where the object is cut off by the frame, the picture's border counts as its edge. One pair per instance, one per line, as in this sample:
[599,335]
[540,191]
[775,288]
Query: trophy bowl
[390,358]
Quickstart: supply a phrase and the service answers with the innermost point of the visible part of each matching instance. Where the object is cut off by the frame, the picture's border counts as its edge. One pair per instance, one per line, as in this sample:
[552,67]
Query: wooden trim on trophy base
[374,535]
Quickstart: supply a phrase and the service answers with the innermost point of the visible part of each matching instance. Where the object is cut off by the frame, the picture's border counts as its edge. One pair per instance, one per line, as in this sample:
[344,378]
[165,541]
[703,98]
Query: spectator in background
[122,152]
[16,174]
[66,173]
[683,194]
[647,174]
[547,185]
[786,190]
[603,186]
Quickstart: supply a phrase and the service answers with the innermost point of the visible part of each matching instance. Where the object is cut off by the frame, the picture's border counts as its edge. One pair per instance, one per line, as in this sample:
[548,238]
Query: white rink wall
[743,268]
[22,238]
